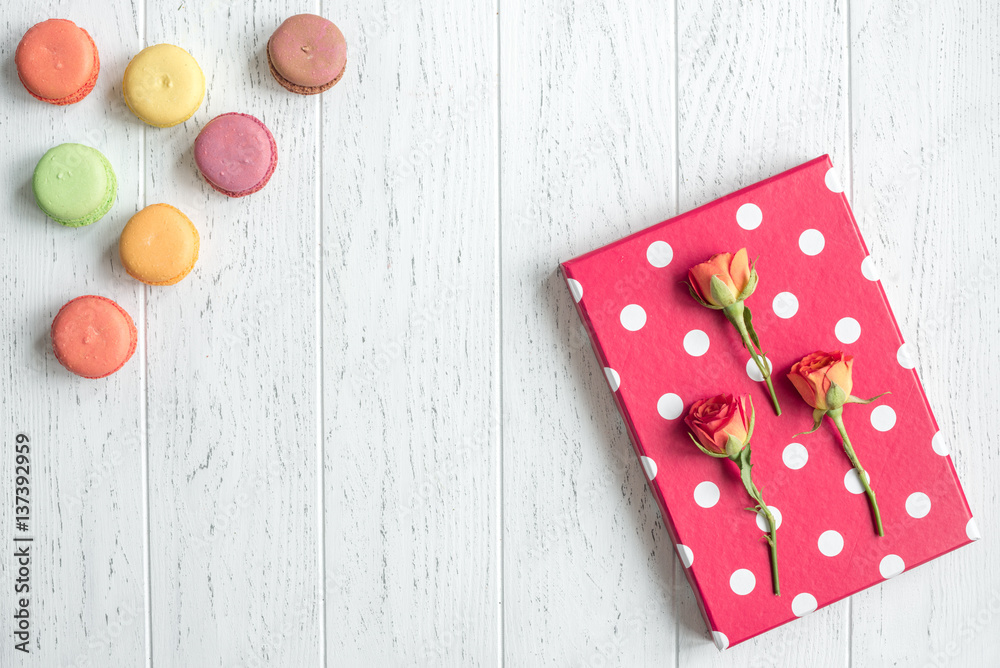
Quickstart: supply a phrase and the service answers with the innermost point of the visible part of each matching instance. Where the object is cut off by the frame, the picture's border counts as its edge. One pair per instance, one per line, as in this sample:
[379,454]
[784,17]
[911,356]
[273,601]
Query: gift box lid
[818,290]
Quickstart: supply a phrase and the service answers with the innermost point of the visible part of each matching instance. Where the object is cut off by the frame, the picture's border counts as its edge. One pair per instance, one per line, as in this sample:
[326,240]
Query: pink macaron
[236,154]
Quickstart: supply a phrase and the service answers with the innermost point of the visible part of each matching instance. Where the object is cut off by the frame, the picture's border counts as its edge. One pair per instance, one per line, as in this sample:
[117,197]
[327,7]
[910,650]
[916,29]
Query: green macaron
[74,184]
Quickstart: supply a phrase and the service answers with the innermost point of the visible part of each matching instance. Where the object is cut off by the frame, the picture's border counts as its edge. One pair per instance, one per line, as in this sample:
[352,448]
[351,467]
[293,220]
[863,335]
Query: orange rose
[733,270]
[825,383]
[723,283]
[816,373]
[721,424]
[721,427]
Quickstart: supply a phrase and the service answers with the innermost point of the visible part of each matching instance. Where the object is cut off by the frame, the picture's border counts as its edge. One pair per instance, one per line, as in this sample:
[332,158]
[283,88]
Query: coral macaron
[236,154]
[307,54]
[57,62]
[159,245]
[93,336]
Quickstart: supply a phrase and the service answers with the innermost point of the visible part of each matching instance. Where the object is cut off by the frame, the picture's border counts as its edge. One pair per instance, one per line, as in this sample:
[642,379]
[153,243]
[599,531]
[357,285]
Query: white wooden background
[368,429]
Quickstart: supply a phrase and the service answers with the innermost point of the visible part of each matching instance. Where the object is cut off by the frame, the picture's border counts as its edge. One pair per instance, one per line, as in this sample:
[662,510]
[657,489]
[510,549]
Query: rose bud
[721,424]
[721,427]
[824,380]
[816,374]
[723,280]
[723,283]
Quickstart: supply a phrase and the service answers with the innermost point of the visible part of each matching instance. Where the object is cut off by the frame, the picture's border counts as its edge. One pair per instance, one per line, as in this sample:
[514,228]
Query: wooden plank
[87,587]
[762,87]
[232,381]
[925,152]
[587,120]
[410,336]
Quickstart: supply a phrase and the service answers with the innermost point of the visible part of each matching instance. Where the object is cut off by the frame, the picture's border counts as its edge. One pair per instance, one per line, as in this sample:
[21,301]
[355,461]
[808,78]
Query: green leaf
[748,321]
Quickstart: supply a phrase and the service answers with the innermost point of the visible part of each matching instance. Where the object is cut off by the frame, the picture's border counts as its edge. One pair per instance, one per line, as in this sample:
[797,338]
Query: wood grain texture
[232,377]
[373,427]
[87,582]
[924,94]
[410,345]
[586,157]
[762,87]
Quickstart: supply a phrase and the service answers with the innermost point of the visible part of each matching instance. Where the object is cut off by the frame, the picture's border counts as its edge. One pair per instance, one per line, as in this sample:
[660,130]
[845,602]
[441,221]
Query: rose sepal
[818,414]
[856,400]
[751,284]
[697,297]
[717,455]
[721,292]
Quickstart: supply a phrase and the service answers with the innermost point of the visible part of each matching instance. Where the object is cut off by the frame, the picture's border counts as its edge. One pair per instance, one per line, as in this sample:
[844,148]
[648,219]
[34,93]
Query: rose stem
[836,415]
[761,363]
[772,539]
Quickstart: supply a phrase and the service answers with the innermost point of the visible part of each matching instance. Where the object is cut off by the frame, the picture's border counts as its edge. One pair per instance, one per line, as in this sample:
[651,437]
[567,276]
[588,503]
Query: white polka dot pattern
[742,582]
[633,317]
[706,494]
[749,216]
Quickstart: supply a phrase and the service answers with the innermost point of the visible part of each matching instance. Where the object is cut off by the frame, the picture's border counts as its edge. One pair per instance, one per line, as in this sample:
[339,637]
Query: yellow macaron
[163,85]
[159,245]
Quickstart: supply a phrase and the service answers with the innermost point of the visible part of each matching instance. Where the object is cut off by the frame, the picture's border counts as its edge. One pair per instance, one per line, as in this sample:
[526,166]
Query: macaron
[236,154]
[74,184]
[307,54]
[57,62]
[93,336]
[163,85]
[159,245]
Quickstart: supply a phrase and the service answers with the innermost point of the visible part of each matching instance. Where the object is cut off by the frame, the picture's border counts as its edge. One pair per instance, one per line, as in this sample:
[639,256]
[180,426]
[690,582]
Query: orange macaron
[93,336]
[57,62]
[159,245]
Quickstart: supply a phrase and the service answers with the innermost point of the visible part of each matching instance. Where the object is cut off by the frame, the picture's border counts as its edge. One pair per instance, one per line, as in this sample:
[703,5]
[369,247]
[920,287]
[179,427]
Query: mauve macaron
[236,154]
[57,62]
[93,336]
[307,54]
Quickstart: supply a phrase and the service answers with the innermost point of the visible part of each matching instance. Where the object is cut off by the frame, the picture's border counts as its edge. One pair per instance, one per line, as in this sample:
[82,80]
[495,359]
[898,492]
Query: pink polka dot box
[818,289]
